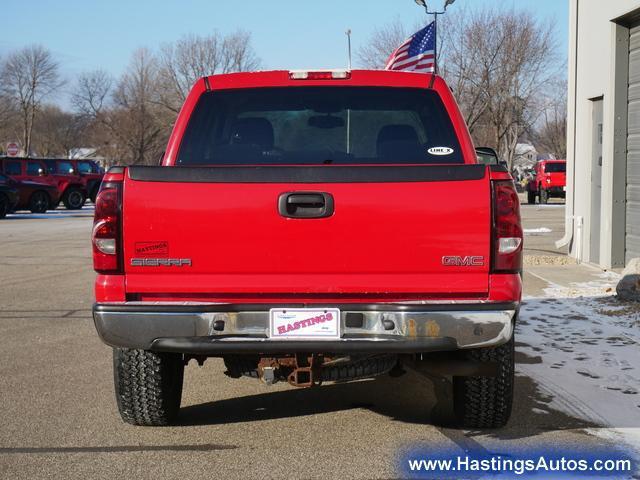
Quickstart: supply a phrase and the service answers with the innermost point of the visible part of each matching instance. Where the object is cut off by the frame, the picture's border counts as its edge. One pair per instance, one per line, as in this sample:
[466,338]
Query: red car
[311,227]
[550,180]
[34,196]
[59,173]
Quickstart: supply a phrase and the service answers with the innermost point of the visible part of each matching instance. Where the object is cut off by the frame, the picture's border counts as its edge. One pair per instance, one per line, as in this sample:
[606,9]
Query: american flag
[417,53]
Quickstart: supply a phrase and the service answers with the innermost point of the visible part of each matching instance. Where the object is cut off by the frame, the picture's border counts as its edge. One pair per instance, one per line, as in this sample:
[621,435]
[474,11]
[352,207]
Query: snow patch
[537,231]
[588,342]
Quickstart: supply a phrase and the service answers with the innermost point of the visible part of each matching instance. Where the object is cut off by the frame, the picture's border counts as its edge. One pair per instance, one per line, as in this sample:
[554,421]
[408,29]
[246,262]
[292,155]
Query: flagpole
[435,43]
[435,14]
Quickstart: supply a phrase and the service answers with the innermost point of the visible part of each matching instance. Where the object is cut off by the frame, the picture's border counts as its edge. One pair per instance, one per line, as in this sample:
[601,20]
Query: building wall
[598,56]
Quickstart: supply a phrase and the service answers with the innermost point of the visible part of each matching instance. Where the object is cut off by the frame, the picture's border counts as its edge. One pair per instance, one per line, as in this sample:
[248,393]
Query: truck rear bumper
[219,329]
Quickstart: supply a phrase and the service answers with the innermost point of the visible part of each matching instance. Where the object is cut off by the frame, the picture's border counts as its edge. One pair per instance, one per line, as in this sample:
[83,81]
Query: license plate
[304,323]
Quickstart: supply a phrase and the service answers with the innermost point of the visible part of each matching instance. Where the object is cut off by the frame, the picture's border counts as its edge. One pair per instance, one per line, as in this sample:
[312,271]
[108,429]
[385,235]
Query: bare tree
[140,127]
[238,53]
[550,135]
[498,65]
[526,64]
[131,117]
[125,116]
[57,131]
[92,92]
[384,40]
[7,108]
[29,76]
[192,57]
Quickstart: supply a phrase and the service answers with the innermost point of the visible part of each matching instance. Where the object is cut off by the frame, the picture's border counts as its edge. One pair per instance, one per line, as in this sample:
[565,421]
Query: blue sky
[90,34]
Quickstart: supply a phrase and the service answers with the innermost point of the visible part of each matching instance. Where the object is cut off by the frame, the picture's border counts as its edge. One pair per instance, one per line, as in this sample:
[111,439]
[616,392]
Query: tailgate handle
[306,205]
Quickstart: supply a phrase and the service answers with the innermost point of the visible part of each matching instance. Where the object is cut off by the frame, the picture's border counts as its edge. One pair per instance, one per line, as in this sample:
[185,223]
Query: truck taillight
[106,237]
[507,229]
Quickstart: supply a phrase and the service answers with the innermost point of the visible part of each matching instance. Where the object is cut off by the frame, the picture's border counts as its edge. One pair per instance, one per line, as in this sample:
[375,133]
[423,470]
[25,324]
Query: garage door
[633,149]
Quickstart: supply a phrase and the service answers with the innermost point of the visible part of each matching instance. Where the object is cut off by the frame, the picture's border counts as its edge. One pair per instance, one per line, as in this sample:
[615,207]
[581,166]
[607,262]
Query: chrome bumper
[217,329]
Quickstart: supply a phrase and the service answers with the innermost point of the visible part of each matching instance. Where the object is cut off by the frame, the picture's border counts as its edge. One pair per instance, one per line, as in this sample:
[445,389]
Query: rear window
[319,125]
[555,167]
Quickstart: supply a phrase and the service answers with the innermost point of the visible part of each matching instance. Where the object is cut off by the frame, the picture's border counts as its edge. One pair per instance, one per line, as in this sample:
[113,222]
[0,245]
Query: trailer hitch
[307,371]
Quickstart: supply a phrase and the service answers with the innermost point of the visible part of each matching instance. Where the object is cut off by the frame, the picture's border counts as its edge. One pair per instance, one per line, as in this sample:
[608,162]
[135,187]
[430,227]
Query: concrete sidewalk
[579,343]
[539,277]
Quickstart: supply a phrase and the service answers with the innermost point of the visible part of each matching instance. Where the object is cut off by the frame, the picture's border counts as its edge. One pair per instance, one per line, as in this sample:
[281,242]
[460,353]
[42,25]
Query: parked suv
[58,173]
[70,184]
[549,180]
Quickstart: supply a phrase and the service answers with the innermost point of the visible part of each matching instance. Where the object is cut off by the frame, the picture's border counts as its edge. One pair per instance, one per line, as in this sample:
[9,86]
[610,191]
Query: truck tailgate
[414,230]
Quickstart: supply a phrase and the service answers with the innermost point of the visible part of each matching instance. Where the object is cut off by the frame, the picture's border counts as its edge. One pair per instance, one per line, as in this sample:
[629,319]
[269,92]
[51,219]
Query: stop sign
[12,149]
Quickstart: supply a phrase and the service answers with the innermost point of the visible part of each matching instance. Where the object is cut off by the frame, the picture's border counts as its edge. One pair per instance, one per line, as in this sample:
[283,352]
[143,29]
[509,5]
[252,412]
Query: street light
[435,13]
[423,3]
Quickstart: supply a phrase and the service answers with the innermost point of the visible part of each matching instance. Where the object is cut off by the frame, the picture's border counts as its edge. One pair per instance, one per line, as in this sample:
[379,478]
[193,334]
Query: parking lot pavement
[60,420]
[543,225]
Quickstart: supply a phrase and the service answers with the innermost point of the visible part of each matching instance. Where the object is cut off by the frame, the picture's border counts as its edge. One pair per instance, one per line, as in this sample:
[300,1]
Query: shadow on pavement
[411,398]
[46,216]
[119,449]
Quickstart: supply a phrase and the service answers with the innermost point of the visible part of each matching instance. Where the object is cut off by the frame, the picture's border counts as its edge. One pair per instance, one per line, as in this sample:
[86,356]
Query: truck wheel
[148,386]
[4,206]
[531,198]
[544,196]
[485,402]
[73,199]
[39,202]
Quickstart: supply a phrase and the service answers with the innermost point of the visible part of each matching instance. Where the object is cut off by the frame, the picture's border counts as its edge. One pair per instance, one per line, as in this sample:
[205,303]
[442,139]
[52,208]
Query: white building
[88,154]
[525,158]
[603,154]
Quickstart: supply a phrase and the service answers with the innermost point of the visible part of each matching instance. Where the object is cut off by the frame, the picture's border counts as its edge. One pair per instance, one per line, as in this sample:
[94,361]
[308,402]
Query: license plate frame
[304,324]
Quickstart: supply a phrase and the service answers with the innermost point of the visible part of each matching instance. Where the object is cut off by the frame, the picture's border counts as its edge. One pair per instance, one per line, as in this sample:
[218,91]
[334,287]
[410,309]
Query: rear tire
[531,198]
[4,205]
[544,196]
[148,386]
[73,199]
[485,402]
[39,202]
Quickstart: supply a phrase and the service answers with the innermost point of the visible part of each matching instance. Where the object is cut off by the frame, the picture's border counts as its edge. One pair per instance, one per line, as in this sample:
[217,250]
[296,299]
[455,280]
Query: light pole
[435,14]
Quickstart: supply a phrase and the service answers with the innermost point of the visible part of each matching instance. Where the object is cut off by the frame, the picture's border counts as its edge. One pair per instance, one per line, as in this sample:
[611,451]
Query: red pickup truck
[311,227]
[549,180]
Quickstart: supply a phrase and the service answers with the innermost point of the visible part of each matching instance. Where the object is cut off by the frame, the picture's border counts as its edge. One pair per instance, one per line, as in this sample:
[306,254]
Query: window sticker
[440,151]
